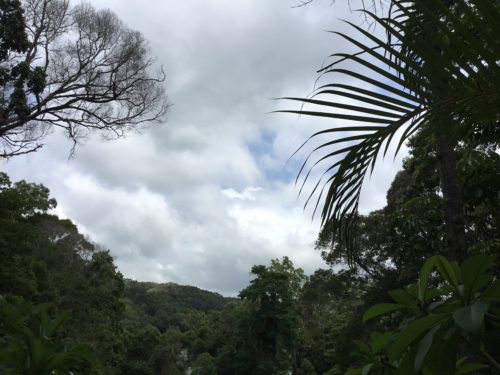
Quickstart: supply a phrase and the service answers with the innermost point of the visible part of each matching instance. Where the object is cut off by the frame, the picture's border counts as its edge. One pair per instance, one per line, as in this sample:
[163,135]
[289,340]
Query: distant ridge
[165,305]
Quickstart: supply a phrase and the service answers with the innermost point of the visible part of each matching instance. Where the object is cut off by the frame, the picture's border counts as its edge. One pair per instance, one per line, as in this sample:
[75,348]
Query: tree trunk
[453,204]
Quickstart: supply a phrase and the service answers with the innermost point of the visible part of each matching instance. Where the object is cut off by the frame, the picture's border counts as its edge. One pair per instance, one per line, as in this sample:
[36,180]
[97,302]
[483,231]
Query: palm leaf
[436,62]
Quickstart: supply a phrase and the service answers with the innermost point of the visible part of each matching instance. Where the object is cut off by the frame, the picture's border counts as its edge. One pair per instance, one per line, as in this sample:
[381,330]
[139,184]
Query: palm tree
[29,343]
[437,71]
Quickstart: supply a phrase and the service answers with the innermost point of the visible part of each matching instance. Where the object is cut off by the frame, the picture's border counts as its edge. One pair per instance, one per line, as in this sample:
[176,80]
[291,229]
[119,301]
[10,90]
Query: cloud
[200,199]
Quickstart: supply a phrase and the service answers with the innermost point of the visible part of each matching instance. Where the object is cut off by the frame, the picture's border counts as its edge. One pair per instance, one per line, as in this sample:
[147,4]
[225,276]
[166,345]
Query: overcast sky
[200,199]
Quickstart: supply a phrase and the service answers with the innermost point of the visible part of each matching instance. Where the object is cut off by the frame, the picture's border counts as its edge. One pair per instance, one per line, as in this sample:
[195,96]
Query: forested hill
[49,269]
[166,305]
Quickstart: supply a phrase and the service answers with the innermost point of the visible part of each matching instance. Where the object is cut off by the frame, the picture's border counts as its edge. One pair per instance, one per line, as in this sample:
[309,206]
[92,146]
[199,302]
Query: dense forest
[411,288]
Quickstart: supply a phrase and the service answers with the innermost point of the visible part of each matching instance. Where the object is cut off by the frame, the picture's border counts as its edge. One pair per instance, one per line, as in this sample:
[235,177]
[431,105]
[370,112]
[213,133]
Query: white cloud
[247,194]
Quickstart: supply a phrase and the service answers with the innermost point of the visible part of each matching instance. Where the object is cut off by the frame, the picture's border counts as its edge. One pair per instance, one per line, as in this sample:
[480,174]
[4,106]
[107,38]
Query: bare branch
[96,76]
[303,3]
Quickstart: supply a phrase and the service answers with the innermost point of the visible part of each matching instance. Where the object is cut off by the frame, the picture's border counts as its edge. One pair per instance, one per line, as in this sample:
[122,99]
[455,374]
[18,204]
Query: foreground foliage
[29,344]
[461,314]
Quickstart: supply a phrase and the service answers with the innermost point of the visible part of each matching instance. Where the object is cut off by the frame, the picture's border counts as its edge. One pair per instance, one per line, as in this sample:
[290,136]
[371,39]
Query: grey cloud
[202,198]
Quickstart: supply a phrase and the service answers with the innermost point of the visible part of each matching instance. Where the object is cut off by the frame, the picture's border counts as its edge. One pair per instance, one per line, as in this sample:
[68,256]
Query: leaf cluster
[29,344]
[438,321]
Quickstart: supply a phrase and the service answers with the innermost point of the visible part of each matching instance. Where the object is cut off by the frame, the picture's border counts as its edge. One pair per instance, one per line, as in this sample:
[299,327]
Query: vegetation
[424,83]
[283,320]
[461,309]
[46,259]
[413,288]
[29,344]
[437,71]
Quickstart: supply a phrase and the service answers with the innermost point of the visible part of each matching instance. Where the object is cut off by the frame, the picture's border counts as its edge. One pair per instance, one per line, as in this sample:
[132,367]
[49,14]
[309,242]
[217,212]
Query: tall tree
[13,37]
[271,327]
[75,68]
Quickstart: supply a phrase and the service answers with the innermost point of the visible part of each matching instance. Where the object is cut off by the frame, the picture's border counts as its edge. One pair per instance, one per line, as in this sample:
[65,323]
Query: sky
[201,198]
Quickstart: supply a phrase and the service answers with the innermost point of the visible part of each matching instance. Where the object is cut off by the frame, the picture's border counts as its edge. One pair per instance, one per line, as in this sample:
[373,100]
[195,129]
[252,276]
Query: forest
[410,288]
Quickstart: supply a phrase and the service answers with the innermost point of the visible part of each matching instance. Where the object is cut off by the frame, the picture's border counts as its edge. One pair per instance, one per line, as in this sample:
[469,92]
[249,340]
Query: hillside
[165,305]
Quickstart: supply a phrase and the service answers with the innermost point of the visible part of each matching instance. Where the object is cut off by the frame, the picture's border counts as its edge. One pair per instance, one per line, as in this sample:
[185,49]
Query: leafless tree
[96,75]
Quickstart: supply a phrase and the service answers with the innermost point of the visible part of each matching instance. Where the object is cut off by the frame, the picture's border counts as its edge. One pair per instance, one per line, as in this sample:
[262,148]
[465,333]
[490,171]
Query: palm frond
[437,61]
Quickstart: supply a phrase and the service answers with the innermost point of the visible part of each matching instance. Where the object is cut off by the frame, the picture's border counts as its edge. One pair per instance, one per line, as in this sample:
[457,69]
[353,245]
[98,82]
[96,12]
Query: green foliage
[14,39]
[141,346]
[46,259]
[23,200]
[393,243]
[165,305]
[204,365]
[12,28]
[330,302]
[296,276]
[271,325]
[29,345]
[256,334]
[284,321]
[438,322]
[399,237]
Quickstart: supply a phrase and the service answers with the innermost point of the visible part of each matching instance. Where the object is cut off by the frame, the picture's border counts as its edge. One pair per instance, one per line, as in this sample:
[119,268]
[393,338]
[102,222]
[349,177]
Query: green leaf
[40,351]
[56,323]
[471,318]
[363,99]
[381,309]
[411,333]
[366,369]
[380,341]
[405,365]
[338,116]
[474,273]
[375,112]
[425,273]
[409,78]
[473,266]
[355,371]
[470,367]
[373,94]
[423,347]
[441,357]
[447,271]
[402,297]
[362,347]
[460,361]
[492,293]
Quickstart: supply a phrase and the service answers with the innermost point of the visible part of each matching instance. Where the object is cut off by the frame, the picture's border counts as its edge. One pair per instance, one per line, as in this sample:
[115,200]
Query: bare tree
[83,70]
